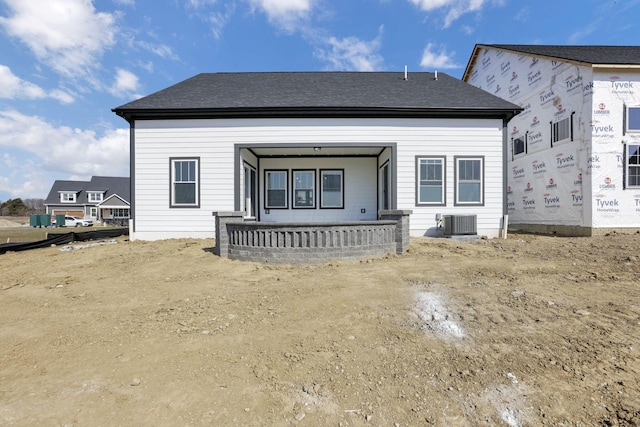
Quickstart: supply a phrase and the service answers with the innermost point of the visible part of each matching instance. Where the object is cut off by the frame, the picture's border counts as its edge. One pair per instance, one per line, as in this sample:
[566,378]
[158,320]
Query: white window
[430,183]
[332,189]
[469,175]
[632,119]
[519,146]
[93,212]
[68,197]
[633,165]
[276,189]
[562,130]
[304,189]
[119,213]
[185,182]
[94,196]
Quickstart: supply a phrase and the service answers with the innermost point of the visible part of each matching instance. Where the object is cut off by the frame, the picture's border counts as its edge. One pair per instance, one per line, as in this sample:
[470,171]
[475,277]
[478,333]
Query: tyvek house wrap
[578,180]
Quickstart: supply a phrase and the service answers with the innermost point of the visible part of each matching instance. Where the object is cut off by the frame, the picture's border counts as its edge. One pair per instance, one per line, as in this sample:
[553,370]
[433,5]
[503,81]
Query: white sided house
[316,148]
[573,161]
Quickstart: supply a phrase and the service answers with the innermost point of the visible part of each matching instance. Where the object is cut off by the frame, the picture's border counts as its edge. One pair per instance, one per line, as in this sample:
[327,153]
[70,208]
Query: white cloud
[196,4]
[439,60]
[126,84]
[61,96]
[219,20]
[288,15]
[67,35]
[160,49]
[73,152]
[352,54]
[13,87]
[455,8]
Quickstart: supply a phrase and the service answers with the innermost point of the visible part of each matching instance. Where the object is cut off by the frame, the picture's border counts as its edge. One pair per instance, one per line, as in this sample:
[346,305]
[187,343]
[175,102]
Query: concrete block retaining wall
[305,243]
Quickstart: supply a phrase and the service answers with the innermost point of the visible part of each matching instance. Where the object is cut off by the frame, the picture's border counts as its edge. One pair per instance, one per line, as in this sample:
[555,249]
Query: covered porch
[315,182]
[113,211]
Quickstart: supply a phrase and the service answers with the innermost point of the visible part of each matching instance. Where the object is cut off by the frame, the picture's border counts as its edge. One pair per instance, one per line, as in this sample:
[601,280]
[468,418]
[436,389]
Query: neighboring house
[315,147]
[104,199]
[574,153]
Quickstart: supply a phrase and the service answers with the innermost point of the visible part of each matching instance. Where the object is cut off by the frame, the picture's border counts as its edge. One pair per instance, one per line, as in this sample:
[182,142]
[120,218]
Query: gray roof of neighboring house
[588,55]
[109,185]
[318,94]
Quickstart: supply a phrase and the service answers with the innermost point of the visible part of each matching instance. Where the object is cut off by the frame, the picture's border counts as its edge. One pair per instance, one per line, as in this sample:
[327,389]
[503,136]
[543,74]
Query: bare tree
[35,204]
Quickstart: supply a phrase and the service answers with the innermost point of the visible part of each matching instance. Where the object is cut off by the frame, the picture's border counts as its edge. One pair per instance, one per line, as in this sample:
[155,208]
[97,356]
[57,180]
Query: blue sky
[64,64]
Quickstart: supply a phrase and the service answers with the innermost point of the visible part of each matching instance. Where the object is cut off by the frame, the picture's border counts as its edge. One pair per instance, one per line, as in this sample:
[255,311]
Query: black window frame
[321,188]
[267,189]
[294,188]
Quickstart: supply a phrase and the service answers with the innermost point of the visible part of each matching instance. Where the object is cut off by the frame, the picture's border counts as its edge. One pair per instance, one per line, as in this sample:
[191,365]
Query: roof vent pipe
[406,77]
[436,75]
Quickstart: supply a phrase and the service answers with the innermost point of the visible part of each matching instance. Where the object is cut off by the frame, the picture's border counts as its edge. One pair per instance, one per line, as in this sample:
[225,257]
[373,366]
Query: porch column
[402,226]
[222,237]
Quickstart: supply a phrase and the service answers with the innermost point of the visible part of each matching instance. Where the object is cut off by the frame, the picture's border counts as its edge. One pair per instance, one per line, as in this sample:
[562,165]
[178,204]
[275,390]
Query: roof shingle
[334,93]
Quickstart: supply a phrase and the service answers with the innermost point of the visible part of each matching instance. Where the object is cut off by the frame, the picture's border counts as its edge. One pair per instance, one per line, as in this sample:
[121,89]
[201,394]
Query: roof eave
[472,62]
[314,112]
[625,66]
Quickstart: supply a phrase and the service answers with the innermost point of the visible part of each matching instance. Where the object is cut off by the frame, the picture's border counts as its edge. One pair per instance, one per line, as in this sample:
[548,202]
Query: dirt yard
[526,331]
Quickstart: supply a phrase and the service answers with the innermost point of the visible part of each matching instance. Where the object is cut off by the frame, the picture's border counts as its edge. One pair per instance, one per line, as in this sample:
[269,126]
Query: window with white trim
[275,189]
[632,119]
[562,130]
[119,213]
[430,172]
[332,189]
[519,146]
[304,189]
[633,165]
[469,174]
[185,182]
[94,196]
[93,212]
[68,197]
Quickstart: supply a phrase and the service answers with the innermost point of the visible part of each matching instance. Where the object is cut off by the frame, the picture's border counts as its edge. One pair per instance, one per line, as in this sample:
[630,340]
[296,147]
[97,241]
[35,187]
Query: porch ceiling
[317,151]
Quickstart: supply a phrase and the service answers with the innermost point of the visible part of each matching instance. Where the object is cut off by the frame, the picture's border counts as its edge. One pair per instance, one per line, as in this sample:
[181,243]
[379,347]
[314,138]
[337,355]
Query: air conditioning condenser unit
[460,225]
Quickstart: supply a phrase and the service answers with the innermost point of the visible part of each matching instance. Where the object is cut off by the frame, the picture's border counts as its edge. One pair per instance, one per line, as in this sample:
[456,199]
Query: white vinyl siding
[213,142]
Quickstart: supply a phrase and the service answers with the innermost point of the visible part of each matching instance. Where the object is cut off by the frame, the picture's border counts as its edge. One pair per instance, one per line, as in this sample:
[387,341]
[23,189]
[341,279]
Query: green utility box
[34,220]
[60,220]
[45,220]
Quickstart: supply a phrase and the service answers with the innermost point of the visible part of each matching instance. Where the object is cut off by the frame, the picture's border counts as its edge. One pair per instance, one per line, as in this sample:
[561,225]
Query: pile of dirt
[13,221]
[530,330]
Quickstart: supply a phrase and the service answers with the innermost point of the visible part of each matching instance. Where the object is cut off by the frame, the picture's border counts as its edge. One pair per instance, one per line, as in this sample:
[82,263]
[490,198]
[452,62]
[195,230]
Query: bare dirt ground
[526,331]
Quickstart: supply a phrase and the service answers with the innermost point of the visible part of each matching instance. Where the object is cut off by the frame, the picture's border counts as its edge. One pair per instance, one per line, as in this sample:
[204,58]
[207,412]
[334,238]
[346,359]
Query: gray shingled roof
[327,94]
[614,55]
[110,184]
